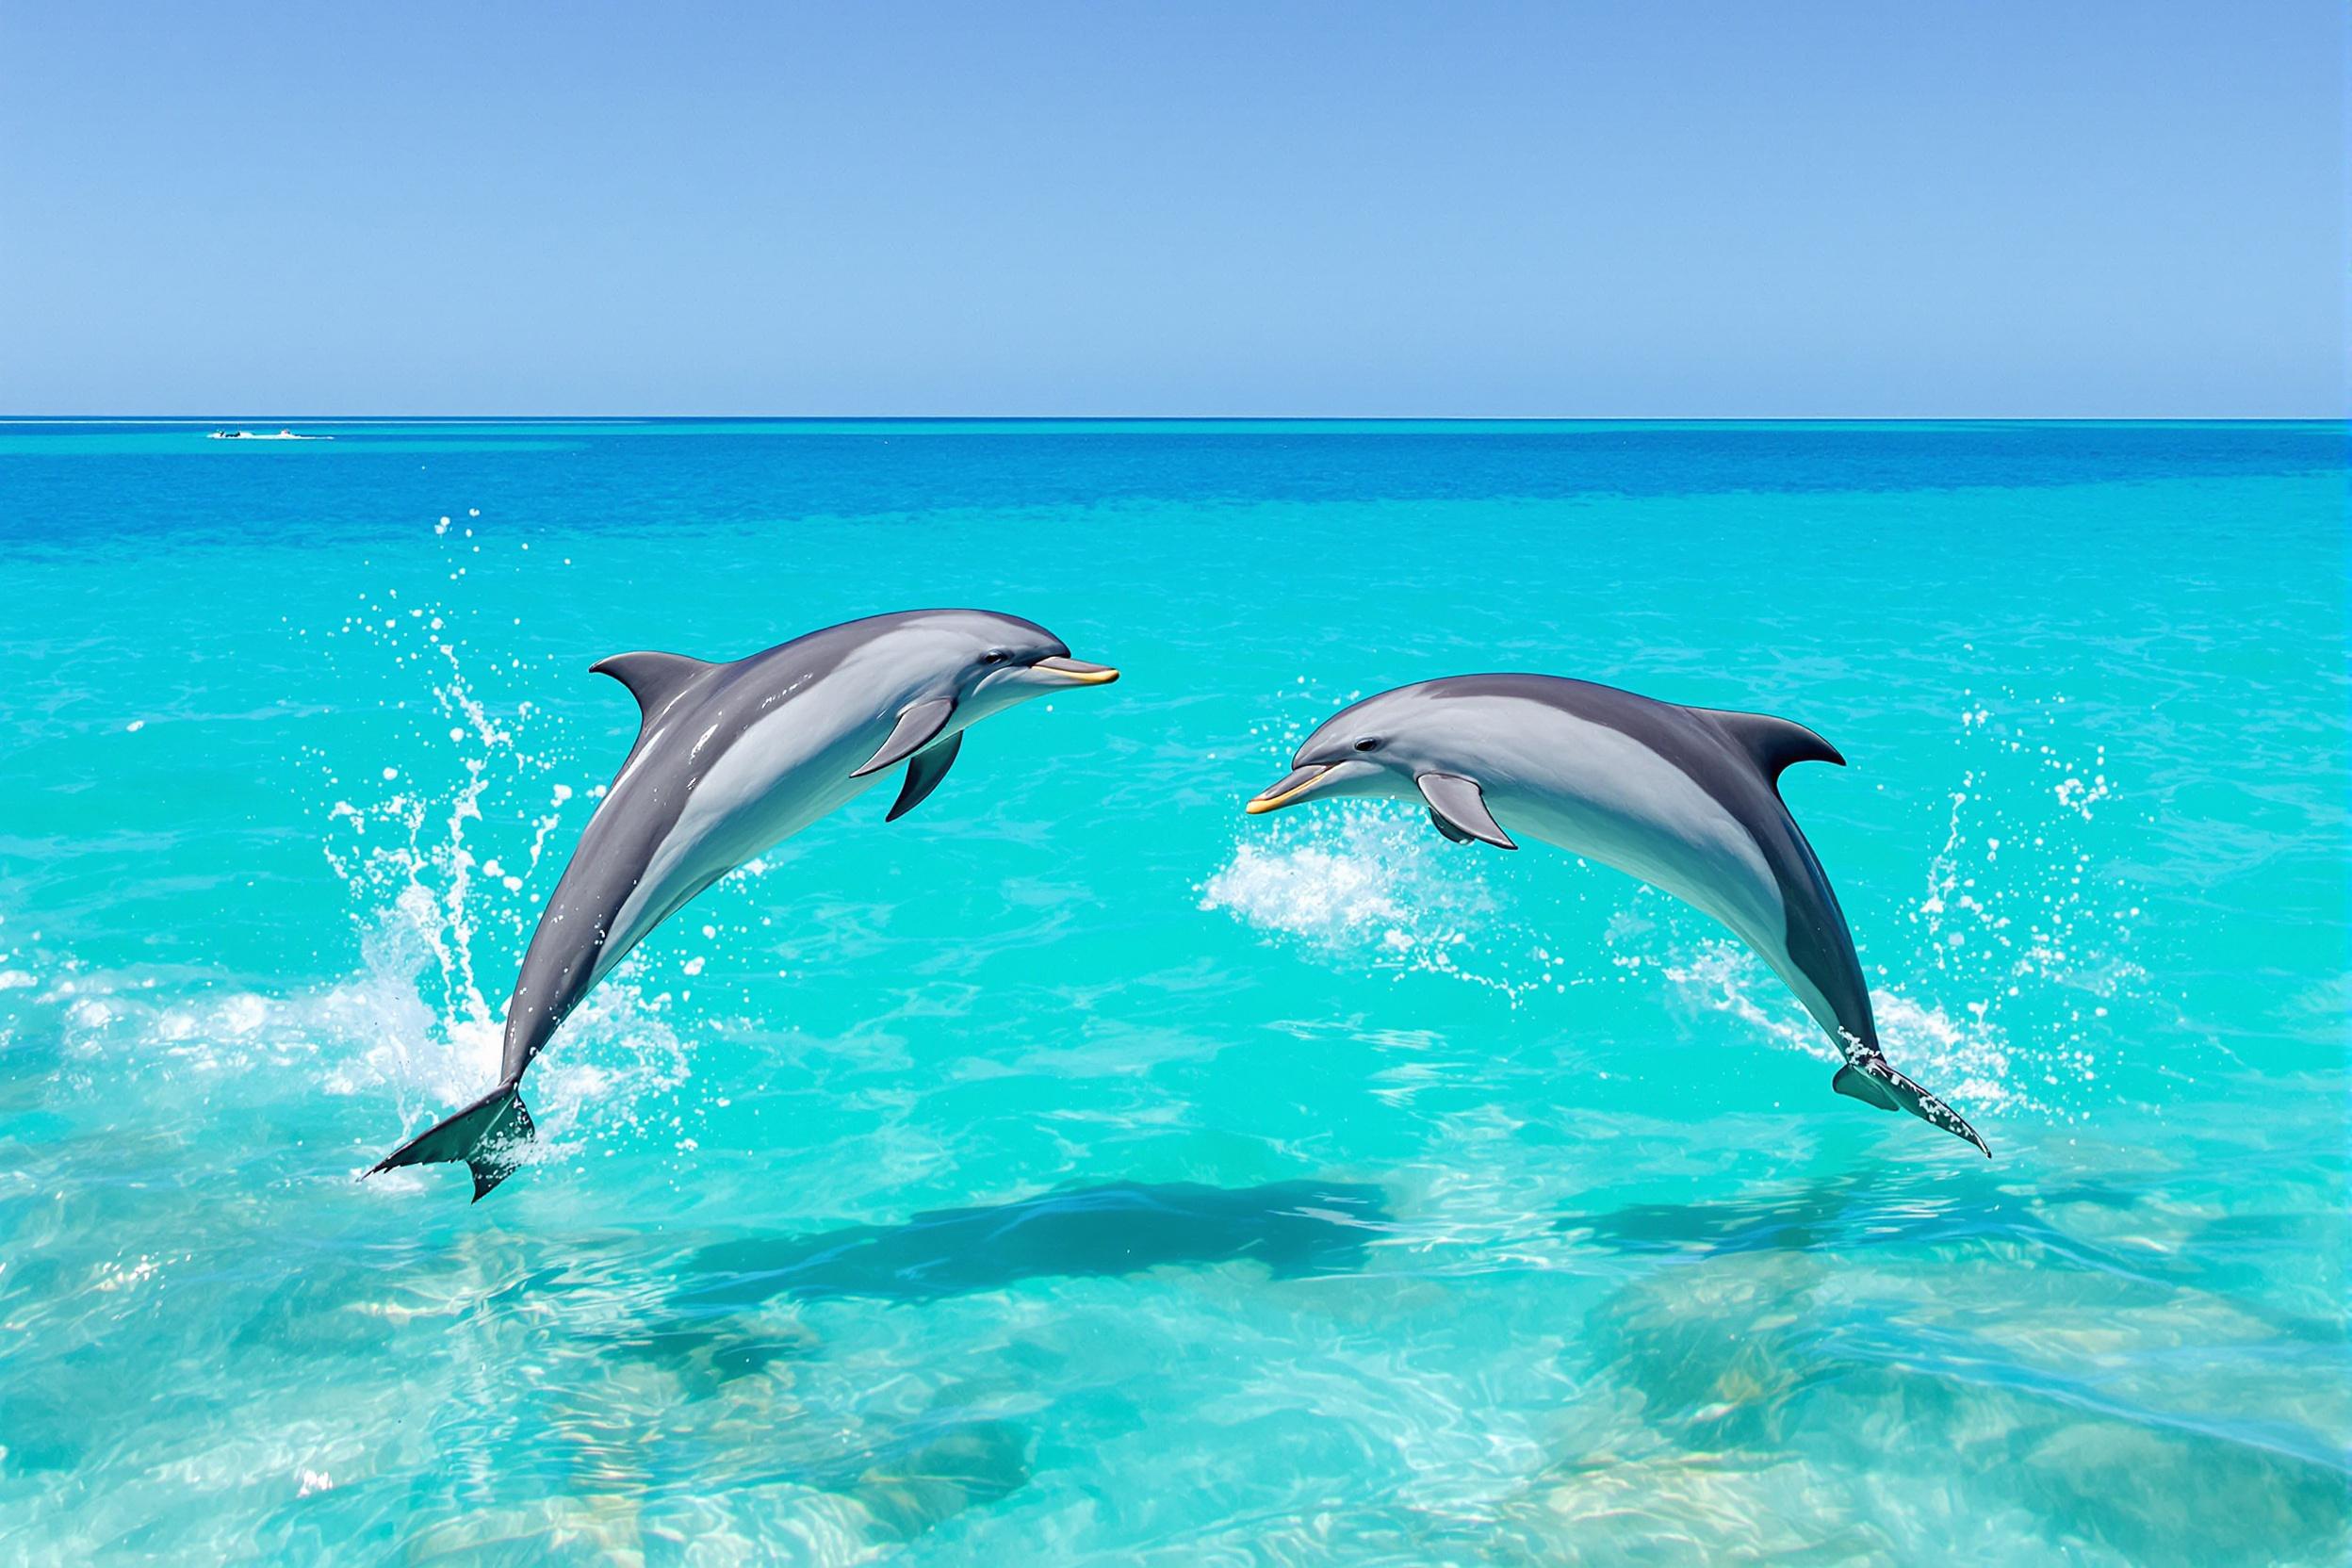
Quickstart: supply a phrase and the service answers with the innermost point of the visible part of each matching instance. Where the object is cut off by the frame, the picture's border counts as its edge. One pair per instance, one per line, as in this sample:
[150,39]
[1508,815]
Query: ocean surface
[1079,1171]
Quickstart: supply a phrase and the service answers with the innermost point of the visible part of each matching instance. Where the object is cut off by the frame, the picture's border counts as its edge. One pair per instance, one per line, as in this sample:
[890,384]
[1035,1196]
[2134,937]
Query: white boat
[265,435]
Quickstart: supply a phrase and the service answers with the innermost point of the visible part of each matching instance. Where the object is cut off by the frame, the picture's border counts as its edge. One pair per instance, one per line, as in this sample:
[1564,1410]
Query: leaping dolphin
[730,759]
[1686,799]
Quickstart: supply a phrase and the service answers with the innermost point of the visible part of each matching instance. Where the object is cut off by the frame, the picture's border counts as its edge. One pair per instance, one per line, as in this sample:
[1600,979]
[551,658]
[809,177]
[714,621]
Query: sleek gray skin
[731,759]
[1686,799]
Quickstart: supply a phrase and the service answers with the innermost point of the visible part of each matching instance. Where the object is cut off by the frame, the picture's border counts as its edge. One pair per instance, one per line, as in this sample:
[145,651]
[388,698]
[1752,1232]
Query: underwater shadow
[1882,1207]
[1875,1206]
[1295,1228]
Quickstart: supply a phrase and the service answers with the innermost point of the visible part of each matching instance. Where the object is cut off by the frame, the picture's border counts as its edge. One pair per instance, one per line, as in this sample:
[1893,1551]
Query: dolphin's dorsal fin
[1773,744]
[652,678]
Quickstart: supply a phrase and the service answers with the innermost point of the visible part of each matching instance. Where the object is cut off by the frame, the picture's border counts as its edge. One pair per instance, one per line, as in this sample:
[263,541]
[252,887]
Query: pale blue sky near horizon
[1810,209]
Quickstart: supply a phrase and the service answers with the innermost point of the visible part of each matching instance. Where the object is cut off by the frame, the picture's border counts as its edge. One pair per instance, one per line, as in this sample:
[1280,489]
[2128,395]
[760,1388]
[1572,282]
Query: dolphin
[730,759]
[1686,799]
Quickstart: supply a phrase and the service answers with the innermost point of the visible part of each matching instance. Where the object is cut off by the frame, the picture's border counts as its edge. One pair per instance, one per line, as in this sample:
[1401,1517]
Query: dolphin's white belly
[782,774]
[1597,792]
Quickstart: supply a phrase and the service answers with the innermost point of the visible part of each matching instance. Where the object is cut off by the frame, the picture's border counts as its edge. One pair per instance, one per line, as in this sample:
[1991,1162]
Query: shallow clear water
[1077,1170]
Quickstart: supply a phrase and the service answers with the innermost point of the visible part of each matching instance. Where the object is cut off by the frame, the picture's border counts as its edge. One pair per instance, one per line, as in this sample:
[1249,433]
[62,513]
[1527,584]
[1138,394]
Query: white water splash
[2013,905]
[1366,883]
[1965,1060]
[484,791]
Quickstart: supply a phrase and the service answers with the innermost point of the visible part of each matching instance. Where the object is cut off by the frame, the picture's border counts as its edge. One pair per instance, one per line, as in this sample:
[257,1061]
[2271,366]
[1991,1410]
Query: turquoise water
[1078,1170]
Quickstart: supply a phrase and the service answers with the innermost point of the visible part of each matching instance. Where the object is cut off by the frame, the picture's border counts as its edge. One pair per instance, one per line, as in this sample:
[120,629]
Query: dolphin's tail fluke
[1868,1078]
[489,1135]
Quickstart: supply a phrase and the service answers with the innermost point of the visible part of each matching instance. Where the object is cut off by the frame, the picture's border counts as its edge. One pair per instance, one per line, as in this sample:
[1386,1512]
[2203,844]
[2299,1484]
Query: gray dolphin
[1686,799]
[730,759]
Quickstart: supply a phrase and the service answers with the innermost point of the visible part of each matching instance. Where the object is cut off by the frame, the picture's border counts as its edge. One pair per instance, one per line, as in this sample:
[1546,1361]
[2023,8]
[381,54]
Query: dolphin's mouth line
[1077,671]
[1278,795]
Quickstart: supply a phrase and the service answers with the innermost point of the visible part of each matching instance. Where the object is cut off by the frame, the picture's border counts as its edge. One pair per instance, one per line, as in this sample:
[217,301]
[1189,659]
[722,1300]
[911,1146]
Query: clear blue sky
[1674,209]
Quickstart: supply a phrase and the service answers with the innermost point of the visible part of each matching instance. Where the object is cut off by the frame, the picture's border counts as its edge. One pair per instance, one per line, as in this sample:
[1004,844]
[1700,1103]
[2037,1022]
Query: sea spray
[1362,883]
[447,855]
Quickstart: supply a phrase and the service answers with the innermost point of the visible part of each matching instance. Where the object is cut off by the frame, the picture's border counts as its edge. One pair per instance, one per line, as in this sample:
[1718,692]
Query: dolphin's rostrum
[730,758]
[1686,799]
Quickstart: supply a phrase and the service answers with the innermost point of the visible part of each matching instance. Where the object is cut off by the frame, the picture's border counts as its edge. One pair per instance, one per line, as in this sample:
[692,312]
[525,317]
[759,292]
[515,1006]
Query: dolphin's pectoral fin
[1459,803]
[924,770]
[1868,1079]
[917,728]
[1773,744]
[652,678]
[1438,819]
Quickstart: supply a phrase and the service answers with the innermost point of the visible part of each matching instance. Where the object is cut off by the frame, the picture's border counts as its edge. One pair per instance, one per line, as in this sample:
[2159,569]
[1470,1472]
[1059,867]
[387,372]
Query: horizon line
[2341,418]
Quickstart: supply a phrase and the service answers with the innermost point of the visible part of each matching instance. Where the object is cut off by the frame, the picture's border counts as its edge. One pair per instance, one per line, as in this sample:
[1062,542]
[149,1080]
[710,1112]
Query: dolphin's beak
[1277,796]
[1077,671]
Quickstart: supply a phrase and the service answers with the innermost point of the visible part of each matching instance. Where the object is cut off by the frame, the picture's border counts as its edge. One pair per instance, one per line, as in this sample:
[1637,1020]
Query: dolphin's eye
[1370,743]
[995,655]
